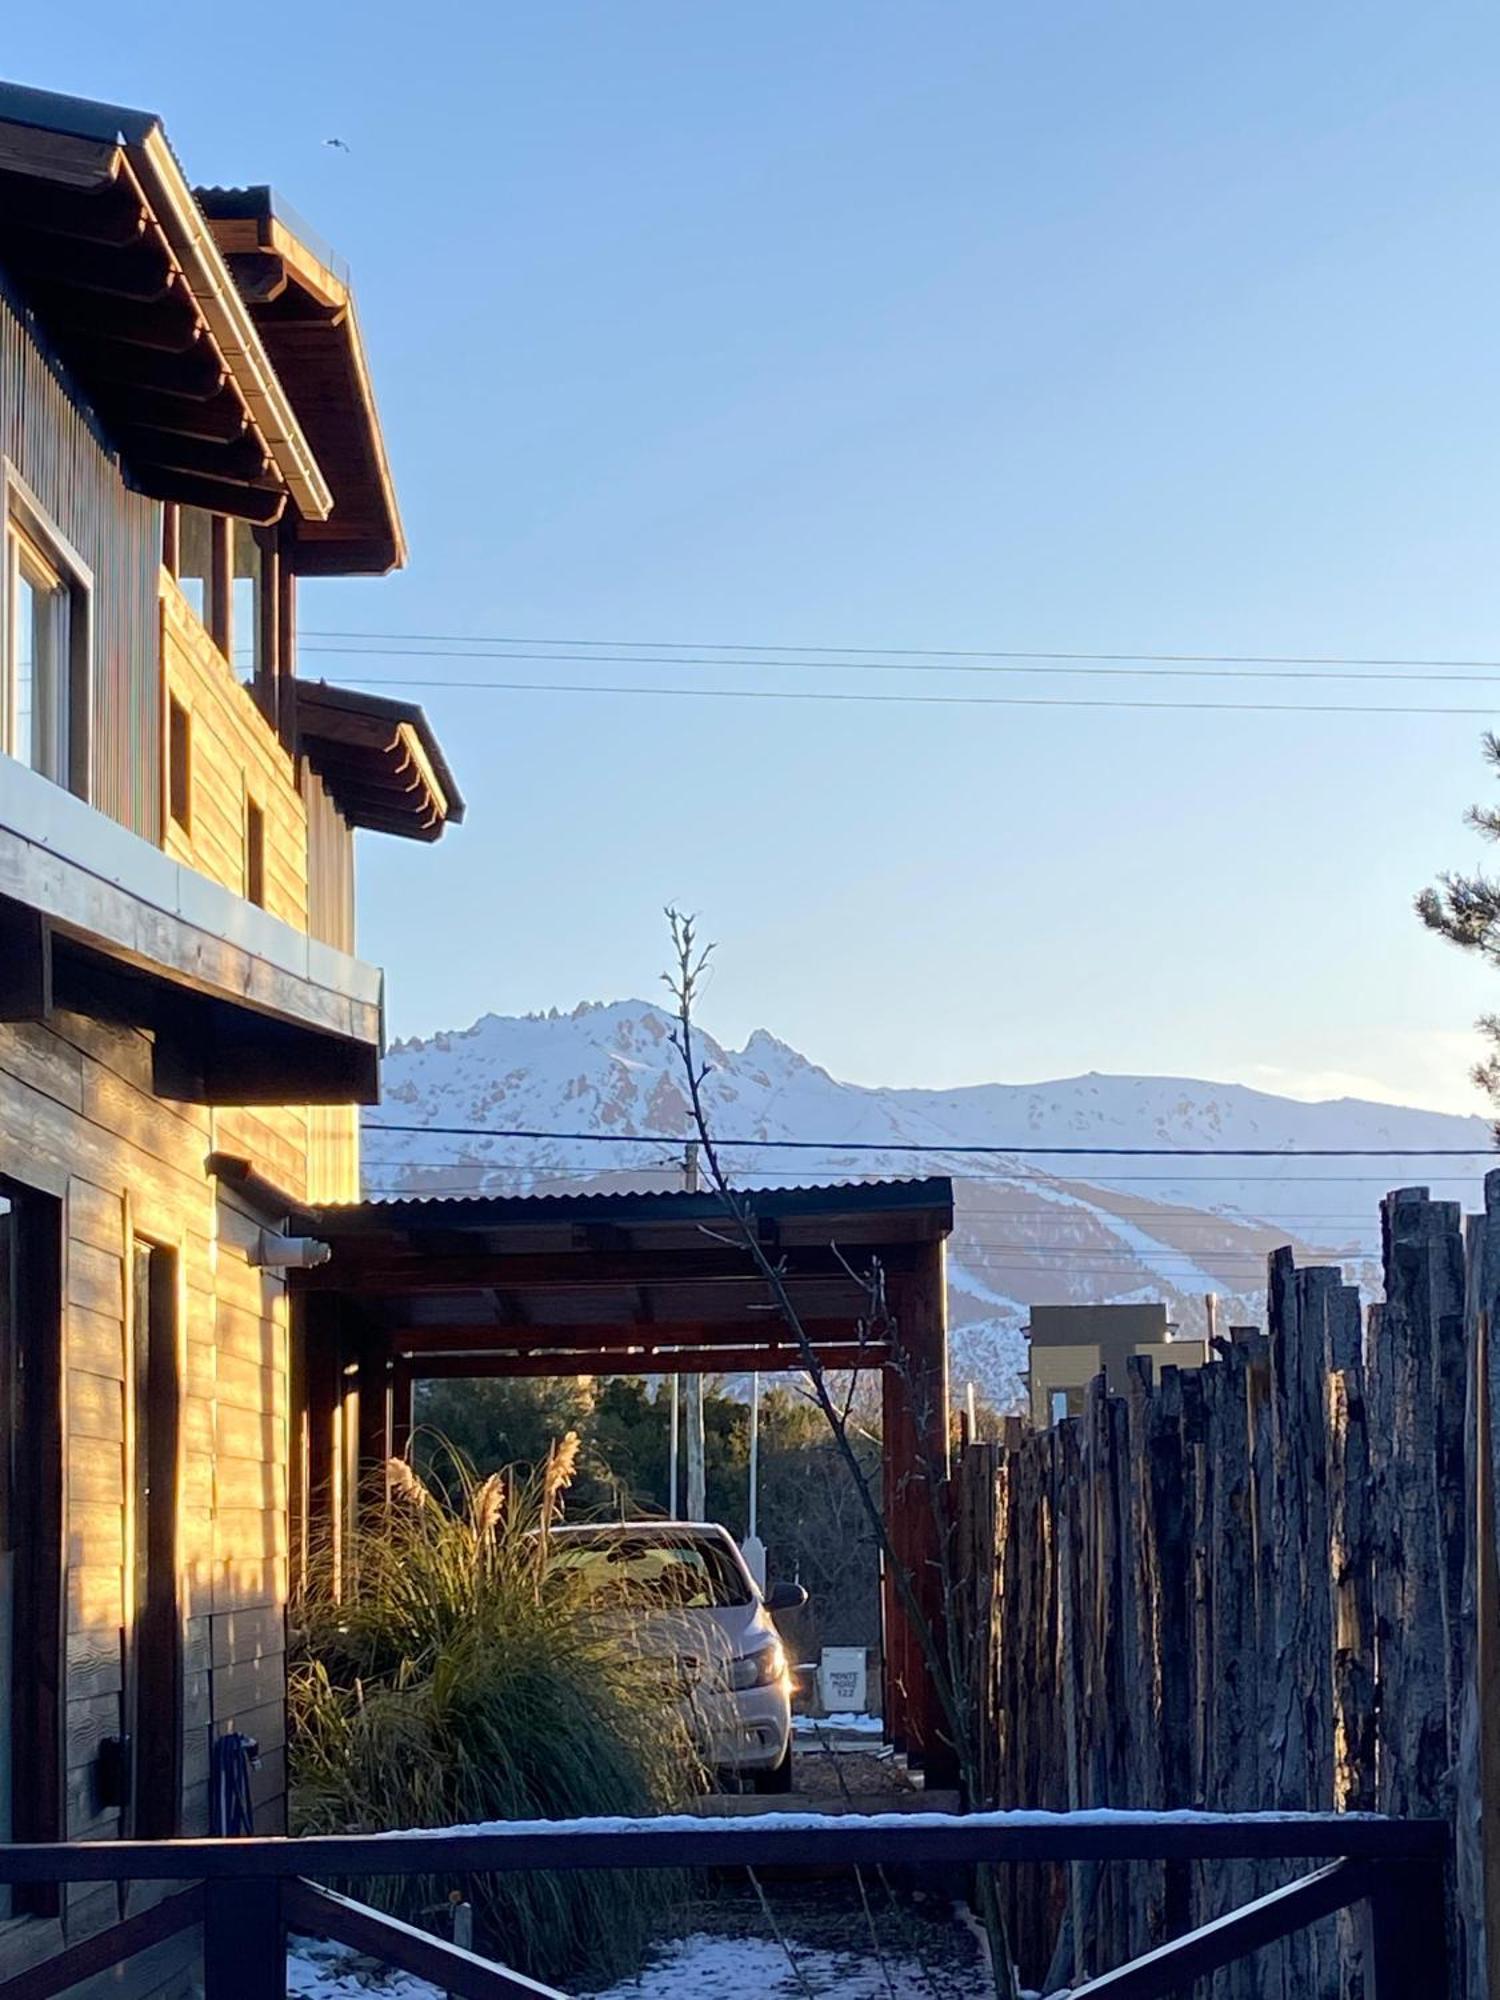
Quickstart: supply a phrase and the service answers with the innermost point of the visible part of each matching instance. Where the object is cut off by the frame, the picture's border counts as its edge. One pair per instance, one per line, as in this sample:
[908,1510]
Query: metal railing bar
[448,1966]
[788,1839]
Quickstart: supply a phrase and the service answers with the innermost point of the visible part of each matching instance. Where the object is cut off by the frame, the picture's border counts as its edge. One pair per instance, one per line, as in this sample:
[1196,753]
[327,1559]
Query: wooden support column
[919,1440]
[268,667]
[402,1387]
[286,641]
[374,1418]
[896,1628]
[323,1380]
[220,591]
[171,538]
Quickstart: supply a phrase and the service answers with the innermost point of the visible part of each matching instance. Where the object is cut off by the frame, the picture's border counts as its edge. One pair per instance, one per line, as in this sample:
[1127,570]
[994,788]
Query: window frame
[255,851]
[30,529]
[177,764]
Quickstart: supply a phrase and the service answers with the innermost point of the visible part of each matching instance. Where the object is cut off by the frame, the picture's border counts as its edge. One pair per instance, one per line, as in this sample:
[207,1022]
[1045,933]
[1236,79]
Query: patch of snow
[319,1970]
[705,1967]
[846,1723]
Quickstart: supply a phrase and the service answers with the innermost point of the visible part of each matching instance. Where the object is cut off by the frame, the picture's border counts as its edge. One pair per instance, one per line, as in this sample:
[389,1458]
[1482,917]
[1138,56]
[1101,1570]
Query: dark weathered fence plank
[1258,1585]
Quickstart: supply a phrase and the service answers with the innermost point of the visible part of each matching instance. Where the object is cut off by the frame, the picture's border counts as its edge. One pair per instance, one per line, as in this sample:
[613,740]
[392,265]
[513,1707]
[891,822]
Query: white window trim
[19,504]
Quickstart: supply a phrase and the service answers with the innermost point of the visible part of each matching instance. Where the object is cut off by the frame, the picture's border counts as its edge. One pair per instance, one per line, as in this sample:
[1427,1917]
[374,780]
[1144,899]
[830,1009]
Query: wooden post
[268,666]
[323,1378]
[1405,1951]
[403,1395]
[244,1939]
[1410,1639]
[920,1379]
[220,590]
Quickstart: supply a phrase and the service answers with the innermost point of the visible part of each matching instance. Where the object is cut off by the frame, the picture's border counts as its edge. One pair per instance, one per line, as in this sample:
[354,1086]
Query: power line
[846,696]
[957,1148]
[891,667]
[917,652]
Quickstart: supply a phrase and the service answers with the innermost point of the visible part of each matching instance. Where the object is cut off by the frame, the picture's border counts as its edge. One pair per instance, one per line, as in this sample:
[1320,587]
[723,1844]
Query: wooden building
[186,430]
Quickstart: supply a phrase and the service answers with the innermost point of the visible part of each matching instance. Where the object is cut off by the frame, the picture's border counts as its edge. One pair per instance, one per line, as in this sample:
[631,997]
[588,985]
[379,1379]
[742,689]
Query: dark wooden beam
[364,1263]
[25,963]
[1173,1968]
[172,327]
[777,1840]
[258,505]
[196,375]
[393,1942]
[221,417]
[243,459]
[647,1361]
[138,271]
[517,1336]
[109,214]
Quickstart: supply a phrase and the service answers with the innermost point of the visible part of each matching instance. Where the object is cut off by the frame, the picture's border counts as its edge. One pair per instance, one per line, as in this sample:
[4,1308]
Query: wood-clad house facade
[186,429]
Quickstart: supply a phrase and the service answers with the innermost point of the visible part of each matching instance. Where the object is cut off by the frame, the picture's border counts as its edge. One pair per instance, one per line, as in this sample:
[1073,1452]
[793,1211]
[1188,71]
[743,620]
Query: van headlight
[760,1668]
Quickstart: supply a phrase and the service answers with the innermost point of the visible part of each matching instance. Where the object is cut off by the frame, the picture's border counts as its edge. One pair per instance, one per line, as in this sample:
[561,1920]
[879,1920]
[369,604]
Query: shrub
[460,1677]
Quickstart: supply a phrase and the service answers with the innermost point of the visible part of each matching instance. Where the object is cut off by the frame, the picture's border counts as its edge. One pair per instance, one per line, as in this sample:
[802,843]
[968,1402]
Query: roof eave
[229,320]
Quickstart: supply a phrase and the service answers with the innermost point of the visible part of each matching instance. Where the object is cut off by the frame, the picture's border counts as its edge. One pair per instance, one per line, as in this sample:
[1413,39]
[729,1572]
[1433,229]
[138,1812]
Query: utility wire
[1047,665]
[960,1147]
[906,700]
[915,652]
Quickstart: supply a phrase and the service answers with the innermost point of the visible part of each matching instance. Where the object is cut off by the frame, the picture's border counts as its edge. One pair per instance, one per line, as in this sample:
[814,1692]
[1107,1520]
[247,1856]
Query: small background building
[1070,1345]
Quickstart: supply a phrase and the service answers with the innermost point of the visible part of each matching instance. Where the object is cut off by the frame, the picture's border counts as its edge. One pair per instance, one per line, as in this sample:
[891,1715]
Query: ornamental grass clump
[460,1676]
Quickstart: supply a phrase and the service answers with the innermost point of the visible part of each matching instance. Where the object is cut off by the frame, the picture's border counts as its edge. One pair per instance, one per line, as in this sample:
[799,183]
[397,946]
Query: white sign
[843,1680]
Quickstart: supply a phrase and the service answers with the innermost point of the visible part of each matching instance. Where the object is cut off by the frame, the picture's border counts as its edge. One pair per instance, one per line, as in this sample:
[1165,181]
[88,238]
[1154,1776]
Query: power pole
[692,1387]
[754,1549]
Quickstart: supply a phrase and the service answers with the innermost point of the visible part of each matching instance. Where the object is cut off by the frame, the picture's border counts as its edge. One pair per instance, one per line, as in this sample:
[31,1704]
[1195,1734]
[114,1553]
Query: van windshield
[656,1571]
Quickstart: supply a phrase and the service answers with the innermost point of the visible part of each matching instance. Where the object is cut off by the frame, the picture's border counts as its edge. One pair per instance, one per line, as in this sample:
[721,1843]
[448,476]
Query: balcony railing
[247,1893]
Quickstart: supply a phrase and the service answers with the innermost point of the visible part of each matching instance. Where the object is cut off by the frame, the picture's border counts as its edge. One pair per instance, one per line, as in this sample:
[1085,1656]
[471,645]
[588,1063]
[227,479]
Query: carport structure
[637,1284]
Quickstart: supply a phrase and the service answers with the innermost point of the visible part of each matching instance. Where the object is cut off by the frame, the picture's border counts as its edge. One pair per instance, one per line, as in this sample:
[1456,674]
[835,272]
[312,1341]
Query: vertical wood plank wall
[56,449]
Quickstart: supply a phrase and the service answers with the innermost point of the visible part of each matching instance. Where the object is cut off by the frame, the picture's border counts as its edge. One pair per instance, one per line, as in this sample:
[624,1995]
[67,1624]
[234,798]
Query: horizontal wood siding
[330,865]
[235,756]
[56,447]
[77,1114]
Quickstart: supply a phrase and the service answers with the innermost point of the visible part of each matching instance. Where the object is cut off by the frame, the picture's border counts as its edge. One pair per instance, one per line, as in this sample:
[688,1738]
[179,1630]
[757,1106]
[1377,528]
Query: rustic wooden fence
[1253,1586]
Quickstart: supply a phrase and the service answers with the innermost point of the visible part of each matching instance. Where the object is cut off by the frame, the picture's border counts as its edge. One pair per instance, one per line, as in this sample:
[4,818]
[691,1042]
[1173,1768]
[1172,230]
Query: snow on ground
[700,1967]
[844,1724]
[318,1970]
[705,1967]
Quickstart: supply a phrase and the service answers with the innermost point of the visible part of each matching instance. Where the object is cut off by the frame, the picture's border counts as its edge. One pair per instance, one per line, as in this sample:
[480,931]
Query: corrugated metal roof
[662,1205]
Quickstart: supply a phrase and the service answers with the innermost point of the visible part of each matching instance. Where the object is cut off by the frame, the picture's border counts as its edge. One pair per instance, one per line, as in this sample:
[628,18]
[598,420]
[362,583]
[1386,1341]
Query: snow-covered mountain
[1031,1229]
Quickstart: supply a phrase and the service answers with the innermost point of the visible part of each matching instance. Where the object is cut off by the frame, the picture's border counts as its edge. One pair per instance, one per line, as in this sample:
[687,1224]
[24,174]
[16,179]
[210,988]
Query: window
[221,571]
[30,1523]
[255,853]
[154,1657]
[44,697]
[179,764]
[195,559]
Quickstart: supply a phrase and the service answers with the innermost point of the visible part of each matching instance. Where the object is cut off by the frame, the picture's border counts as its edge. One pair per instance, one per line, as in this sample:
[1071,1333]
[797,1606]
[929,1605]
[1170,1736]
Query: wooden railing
[247,1893]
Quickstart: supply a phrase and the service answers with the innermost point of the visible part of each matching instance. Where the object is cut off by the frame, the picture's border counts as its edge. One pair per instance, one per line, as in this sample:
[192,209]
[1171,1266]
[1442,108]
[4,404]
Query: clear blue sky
[1165,327]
